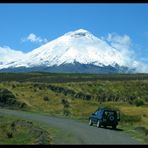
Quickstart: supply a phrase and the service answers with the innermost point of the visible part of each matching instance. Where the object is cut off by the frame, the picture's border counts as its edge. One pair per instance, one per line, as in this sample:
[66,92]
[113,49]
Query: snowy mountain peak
[79,46]
[82,32]
[79,33]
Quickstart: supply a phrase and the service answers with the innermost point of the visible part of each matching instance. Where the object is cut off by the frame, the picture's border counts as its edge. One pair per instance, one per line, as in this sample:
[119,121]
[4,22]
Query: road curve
[81,133]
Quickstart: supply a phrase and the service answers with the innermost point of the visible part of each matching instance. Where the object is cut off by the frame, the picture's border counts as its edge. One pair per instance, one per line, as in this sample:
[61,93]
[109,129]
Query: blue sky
[45,22]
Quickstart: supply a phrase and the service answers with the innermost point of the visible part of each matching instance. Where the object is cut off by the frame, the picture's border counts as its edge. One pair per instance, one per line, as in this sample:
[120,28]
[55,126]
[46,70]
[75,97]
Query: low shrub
[65,103]
[66,112]
[139,102]
[130,118]
[9,134]
[45,98]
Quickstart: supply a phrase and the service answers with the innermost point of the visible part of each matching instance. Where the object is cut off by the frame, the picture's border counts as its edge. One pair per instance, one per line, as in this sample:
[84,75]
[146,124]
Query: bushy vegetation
[66,106]
[46,98]
[102,91]
[130,118]
[18,131]
[44,77]
[78,95]
[139,102]
[8,99]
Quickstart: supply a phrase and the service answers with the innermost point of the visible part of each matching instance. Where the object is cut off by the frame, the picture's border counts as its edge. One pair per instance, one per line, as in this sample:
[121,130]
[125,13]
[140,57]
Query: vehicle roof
[107,109]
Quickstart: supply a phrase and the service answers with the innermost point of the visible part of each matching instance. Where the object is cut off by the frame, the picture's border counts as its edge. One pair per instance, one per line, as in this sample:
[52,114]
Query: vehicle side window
[98,113]
[106,114]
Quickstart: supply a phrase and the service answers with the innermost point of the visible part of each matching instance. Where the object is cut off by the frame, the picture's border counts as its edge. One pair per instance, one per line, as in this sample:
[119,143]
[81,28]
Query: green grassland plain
[78,95]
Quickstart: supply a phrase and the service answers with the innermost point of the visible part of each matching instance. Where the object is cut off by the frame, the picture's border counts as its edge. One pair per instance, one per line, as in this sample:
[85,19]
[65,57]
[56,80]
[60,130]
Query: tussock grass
[17,131]
[110,93]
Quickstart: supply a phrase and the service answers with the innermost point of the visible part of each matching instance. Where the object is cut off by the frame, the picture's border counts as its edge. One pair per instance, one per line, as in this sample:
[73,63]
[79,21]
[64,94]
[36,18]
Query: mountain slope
[77,51]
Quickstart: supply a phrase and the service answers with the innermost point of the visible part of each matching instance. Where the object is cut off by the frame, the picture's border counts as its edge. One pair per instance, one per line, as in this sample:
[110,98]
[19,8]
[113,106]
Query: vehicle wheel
[98,124]
[104,126]
[90,122]
[111,118]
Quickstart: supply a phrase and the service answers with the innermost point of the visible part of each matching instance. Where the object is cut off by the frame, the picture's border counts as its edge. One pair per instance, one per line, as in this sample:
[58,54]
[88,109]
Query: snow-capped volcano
[78,46]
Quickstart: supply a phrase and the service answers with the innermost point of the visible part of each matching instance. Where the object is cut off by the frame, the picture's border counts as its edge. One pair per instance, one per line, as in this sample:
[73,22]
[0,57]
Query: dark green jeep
[105,117]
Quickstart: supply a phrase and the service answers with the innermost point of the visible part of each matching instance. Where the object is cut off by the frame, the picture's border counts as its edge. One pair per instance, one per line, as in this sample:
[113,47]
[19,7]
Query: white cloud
[122,40]
[34,39]
[123,44]
[7,54]
[140,67]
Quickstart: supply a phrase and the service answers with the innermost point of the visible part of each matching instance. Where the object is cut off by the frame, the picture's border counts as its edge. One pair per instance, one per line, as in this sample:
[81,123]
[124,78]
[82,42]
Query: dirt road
[76,132]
